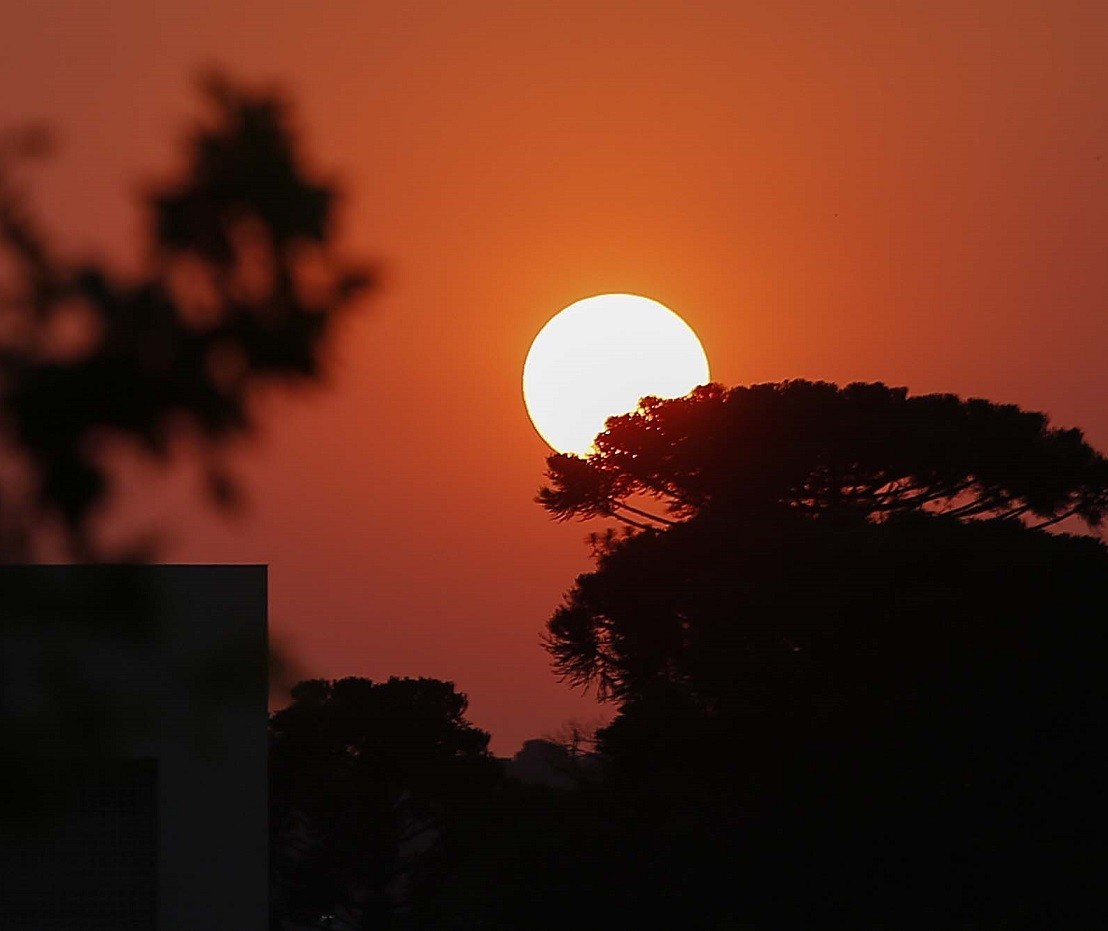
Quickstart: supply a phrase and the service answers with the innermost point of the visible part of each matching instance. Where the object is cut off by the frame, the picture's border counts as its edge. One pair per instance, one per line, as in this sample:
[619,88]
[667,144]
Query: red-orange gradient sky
[908,192]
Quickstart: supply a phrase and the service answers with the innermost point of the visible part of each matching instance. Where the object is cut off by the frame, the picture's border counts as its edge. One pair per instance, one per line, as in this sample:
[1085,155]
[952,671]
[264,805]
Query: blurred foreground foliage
[241,282]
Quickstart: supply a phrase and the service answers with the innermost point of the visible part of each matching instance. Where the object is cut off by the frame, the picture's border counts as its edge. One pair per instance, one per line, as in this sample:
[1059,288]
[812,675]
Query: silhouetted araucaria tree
[733,464]
[838,611]
[865,449]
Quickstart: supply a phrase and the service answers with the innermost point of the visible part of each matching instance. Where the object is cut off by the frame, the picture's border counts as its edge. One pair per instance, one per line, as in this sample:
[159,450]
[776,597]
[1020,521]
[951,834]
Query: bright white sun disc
[598,357]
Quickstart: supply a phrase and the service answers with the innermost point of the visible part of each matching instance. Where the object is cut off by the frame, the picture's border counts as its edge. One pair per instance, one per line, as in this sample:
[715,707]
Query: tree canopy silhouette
[865,449]
[848,620]
[364,778]
[731,466]
[240,285]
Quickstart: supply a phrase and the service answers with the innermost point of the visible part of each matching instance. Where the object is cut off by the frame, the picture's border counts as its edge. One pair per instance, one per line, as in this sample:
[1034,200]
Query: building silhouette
[133,720]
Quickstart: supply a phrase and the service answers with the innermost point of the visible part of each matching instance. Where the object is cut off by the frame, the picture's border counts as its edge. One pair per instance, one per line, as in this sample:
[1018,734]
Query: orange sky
[908,192]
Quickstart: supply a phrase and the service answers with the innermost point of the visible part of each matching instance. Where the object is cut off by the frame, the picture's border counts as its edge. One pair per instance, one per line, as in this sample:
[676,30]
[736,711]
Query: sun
[598,357]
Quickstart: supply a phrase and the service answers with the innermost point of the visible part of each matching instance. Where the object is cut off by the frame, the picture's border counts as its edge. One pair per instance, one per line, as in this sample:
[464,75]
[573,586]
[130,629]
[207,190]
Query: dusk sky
[914,193]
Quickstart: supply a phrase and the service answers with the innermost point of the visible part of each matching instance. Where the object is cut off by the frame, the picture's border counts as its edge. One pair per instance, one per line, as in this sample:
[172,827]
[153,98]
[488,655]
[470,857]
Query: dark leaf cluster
[364,778]
[240,285]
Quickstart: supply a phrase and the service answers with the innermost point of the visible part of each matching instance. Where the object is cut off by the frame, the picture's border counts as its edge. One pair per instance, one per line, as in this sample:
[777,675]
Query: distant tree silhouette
[365,778]
[240,285]
[575,737]
[848,640]
[388,812]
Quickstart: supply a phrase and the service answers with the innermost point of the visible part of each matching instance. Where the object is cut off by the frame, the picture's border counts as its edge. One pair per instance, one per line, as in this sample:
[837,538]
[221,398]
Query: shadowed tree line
[363,778]
[858,682]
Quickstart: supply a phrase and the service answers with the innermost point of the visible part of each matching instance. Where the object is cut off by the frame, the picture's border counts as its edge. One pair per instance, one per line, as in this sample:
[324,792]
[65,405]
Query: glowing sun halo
[596,358]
